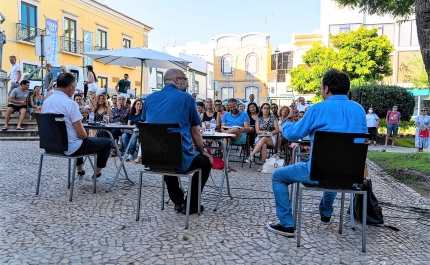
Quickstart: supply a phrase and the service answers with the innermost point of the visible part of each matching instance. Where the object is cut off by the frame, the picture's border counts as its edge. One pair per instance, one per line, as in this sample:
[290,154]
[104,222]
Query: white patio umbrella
[139,56]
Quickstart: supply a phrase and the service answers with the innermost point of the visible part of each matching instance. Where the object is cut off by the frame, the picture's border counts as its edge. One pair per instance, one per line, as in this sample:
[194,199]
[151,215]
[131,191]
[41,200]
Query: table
[108,129]
[219,137]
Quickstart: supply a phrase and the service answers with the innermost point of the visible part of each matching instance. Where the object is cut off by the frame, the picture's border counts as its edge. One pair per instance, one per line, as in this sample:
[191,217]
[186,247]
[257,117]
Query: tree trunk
[422,13]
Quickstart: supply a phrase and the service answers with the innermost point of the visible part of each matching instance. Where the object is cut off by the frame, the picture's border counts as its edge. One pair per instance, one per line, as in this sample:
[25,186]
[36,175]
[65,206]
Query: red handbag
[424,134]
[218,163]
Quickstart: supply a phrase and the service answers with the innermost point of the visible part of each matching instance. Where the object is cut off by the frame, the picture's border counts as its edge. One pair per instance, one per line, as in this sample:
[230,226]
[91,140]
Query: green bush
[383,98]
[404,127]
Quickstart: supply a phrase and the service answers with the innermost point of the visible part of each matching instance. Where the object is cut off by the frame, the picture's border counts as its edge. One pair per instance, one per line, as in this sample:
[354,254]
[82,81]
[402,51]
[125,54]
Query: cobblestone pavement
[100,228]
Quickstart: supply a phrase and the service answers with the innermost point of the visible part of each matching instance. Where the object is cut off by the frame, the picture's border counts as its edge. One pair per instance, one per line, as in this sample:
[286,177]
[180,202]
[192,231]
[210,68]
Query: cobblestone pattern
[100,228]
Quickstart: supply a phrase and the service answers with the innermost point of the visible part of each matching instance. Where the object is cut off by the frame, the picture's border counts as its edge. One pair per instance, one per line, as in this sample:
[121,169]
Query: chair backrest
[52,132]
[338,159]
[161,149]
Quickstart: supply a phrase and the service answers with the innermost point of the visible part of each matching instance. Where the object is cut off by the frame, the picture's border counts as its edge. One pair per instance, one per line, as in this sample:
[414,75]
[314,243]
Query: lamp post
[276,76]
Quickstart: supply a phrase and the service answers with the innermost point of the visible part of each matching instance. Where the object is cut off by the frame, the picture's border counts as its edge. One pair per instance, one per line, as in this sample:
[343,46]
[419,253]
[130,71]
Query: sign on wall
[88,47]
[52,31]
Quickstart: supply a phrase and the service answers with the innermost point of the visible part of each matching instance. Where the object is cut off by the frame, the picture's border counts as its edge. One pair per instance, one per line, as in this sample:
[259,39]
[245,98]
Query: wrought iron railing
[100,48]
[71,45]
[27,33]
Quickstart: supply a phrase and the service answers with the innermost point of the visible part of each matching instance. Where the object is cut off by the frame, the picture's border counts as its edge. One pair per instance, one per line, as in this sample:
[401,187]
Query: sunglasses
[423,110]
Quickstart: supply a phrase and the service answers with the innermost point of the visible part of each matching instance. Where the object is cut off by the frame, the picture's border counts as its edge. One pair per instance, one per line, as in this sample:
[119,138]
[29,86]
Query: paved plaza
[100,228]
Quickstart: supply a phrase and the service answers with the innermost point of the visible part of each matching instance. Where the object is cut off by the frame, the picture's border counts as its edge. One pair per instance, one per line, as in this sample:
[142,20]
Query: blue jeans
[125,138]
[285,176]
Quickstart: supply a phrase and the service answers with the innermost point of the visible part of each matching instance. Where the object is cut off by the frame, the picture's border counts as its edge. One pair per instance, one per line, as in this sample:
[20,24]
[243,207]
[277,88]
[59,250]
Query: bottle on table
[213,125]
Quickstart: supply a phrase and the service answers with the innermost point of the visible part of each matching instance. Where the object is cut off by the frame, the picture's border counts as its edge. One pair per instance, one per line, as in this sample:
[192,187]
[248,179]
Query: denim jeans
[101,146]
[125,138]
[285,176]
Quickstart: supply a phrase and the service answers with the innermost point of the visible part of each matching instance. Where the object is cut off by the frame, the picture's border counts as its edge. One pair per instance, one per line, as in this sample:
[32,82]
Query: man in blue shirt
[335,114]
[173,105]
[236,118]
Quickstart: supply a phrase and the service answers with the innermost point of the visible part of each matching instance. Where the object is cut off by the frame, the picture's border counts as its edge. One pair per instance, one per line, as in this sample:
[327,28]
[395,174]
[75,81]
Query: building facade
[73,27]
[403,34]
[242,66]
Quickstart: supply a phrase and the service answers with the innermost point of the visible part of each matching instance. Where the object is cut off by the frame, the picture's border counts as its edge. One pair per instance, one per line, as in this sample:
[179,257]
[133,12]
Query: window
[227,92]
[27,69]
[227,64]
[69,40]
[251,63]
[344,28]
[126,43]
[102,82]
[251,90]
[384,29]
[28,22]
[408,33]
[101,39]
[336,29]
[196,87]
[160,77]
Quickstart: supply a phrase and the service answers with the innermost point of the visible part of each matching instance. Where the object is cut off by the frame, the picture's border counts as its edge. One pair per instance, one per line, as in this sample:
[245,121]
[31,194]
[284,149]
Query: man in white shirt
[60,102]
[15,73]
[301,105]
[251,100]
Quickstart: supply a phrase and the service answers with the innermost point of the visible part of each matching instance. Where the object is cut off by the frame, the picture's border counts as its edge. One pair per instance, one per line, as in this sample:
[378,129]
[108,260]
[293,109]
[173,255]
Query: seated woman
[131,136]
[207,116]
[266,128]
[78,99]
[101,109]
[36,101]
[119,115]
[253,112]
[283,114]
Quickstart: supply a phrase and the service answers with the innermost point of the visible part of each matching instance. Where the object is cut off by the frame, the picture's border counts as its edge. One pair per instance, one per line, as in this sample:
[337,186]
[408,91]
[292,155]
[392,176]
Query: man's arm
[80,131]
[198,142]
[19,75]
[12,100]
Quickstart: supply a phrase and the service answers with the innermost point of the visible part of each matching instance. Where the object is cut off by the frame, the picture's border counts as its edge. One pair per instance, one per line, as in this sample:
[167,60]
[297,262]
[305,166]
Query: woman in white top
[91,81]
[372,121]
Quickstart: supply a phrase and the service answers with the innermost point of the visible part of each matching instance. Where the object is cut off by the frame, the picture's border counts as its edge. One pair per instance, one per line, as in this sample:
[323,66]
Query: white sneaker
[129,158]
[259,169]
[249,159]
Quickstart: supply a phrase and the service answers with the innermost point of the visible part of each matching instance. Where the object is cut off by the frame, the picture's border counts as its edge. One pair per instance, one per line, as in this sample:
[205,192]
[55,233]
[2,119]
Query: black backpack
[374,211]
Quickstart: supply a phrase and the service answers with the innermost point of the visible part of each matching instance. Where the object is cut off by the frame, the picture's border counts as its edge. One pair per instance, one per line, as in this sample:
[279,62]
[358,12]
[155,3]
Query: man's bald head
[170,74]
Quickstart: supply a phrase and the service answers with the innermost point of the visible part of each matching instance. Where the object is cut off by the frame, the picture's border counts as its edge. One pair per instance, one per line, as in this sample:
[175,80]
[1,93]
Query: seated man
[236,118]
[17,102]
[78,142]
[335,114]
[181,108]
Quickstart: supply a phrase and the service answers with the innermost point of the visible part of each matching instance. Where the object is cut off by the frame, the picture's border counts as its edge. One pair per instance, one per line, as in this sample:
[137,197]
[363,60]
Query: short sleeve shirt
[18,95]
[14,73]
[170,105]
[371,120]
[49,76]
[60,103]
[123,86]
[238,120]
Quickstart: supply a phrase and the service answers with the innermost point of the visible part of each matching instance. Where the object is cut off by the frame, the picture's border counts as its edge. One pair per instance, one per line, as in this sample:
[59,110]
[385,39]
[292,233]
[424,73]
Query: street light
[276,76]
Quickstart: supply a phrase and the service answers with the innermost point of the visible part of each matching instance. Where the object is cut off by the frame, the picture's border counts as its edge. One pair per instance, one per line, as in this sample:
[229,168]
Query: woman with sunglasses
[422,132]
[130,136]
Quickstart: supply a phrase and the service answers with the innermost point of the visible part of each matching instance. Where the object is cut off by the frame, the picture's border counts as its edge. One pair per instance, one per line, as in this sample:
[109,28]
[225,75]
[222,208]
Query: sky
[178,22]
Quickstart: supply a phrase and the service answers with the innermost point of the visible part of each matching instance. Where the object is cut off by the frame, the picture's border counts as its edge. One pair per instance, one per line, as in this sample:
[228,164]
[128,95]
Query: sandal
[138,160]
[81,174]
[4,128]
[113,153]
[97,176]
[19,128]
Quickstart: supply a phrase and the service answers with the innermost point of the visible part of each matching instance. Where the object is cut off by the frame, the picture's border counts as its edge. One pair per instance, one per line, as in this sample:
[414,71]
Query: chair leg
[72,182]
[39,174]
[139,195]
[95,173]
[363,221]
[342,203]
[199,194]
[163,185]
[68,173]
[351,210]
[299,221]
[187,216]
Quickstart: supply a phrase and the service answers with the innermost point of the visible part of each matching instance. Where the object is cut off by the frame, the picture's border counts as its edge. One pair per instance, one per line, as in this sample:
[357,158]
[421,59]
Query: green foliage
[390,161]
[405,142]
[415,72]
[383,98]
[397,9]
[405,127]
[362,54]
[316,99]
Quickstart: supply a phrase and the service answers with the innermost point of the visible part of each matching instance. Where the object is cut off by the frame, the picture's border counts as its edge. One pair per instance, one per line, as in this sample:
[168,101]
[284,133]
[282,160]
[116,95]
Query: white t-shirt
[371,119]
[301,107]
[60,103]
[14,72]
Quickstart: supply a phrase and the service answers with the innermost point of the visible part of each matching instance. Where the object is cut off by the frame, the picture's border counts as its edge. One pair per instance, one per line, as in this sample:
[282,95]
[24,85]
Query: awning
[419,92]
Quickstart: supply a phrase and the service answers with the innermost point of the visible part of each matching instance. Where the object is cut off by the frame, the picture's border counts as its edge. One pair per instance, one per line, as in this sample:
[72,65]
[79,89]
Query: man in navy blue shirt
[173,105]
[335,114]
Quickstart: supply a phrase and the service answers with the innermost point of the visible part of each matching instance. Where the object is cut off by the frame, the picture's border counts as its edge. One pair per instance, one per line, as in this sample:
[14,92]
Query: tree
[362,54]
[415,72]
[401,9]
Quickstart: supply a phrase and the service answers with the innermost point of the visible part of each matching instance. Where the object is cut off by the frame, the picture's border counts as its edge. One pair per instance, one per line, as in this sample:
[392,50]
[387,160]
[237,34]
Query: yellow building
[242,66]
[81,26]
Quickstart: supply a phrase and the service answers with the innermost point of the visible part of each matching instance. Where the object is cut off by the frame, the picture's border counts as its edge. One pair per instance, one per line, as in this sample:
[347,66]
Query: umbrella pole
[141,77]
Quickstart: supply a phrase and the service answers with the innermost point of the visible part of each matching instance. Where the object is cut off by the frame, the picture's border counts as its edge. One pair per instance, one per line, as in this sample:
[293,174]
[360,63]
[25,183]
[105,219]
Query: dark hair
[256,108]
[77,95]
[125,74]
[217,100]
[65,79]
[336,81]
[133,108]
[90,68]
[232,100]
[128,101]
[199,103]
[24,82]
[301,112]
[260,114]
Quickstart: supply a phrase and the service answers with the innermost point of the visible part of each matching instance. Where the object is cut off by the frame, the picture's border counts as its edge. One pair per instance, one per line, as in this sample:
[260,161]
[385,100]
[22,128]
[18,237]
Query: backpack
[374,211]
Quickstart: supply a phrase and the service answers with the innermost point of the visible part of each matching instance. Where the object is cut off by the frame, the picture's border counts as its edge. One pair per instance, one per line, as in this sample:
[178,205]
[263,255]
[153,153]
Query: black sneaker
[193,210]
[325,220]
[178,208]
[279,229]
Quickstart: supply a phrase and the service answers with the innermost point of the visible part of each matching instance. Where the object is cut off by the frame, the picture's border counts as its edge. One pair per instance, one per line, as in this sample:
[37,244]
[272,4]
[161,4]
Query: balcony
[100,48]
[27,33]
[71,45]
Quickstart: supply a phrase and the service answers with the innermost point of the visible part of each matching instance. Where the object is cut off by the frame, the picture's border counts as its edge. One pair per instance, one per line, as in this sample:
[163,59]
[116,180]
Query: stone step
[27,124]
[19,138]
[19,133]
